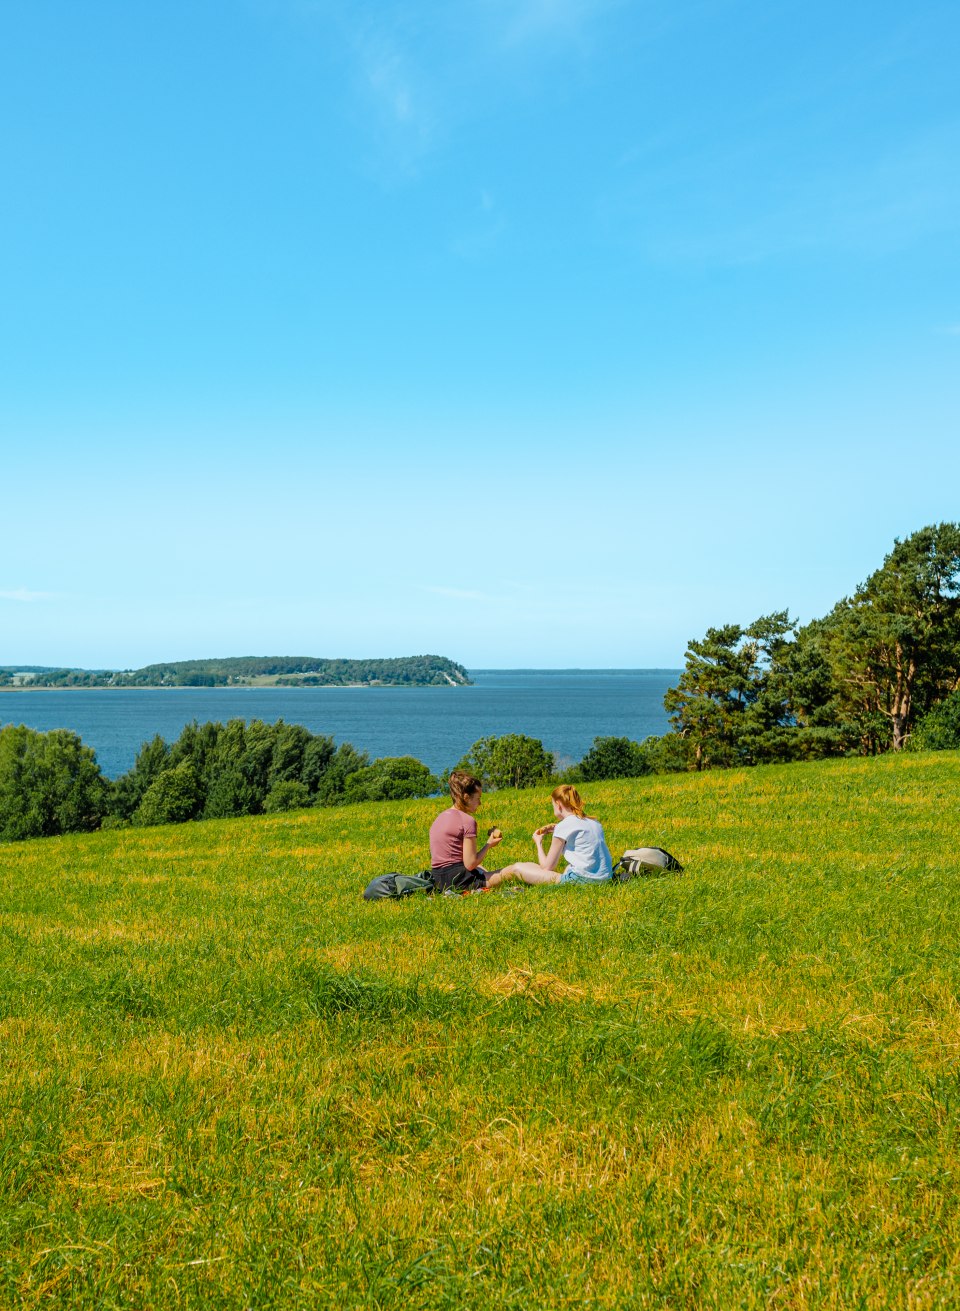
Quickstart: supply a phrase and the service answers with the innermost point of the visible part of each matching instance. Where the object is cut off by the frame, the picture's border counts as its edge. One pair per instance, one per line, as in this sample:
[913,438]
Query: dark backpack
[645,861]
[392,886]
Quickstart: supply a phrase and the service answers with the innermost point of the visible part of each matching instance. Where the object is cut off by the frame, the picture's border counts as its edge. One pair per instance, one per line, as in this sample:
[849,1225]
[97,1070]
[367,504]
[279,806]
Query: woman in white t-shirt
[576,837]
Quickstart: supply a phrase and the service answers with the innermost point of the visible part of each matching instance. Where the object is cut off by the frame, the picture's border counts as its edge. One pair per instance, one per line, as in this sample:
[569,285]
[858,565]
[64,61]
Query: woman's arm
[471,856]
[548,859]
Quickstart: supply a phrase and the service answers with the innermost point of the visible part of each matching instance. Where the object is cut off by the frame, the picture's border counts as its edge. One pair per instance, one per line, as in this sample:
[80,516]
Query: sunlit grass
[228,1081]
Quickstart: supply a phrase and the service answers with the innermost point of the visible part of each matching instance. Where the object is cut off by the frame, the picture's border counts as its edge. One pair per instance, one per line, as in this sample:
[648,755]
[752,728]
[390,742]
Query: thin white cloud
[952,329]
[24,594]
[390,83]
[531,20]
[420,69]
[400,98]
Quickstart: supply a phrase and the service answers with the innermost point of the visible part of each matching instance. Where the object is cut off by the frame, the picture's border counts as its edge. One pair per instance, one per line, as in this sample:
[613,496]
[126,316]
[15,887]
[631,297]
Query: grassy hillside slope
[229,1082]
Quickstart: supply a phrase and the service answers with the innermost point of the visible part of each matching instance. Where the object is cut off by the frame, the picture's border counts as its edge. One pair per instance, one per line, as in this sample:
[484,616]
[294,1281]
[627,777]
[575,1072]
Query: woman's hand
[494,838]
[544,830]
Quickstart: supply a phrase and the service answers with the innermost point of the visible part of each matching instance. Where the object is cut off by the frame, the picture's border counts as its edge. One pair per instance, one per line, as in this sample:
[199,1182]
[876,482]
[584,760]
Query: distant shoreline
[586,669]
[231,687]
[328,687]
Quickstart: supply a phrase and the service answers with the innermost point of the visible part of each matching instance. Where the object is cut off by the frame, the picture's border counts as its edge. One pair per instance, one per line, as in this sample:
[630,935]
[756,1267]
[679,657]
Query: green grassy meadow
[227,1081]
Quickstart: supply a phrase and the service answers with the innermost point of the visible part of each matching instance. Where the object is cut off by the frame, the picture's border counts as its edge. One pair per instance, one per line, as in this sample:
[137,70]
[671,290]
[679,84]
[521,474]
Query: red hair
[567,795]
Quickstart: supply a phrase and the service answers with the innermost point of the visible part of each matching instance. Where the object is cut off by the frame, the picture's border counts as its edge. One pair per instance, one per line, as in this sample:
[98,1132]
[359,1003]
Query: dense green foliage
[290,671]
[612,757]
[216,771]
[229,1082]
[221,771]
[49,783]
[511,761]
[175,795]
[391,779]
[939,729]
[856,681]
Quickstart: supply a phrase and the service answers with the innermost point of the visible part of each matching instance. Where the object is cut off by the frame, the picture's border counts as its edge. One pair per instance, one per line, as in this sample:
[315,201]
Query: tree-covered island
[252,671]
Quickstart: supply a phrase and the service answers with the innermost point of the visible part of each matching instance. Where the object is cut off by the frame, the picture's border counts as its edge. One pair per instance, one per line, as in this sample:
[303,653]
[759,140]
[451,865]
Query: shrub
[392,778]
[112,821]
[332,787]
[173,797]
[511,761]
[939,729]
[613,757]
[231,794]
[669,754]
[128,790]
[50,783]
[288,794]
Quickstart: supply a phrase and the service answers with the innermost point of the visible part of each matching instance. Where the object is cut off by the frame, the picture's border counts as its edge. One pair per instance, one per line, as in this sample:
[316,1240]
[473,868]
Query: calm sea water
[566,709]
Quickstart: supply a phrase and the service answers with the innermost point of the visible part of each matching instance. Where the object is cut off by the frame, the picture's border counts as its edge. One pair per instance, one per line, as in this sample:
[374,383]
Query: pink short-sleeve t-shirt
[446,837]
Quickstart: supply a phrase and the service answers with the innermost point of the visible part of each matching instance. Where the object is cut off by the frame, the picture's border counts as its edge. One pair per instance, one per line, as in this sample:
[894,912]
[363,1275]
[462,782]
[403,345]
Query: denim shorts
[571,876]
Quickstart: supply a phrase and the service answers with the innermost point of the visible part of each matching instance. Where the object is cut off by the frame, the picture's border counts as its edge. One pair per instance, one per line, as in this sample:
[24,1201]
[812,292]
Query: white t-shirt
[585,848]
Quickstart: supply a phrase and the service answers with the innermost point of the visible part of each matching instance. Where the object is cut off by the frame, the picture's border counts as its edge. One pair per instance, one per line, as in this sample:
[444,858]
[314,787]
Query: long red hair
[567,795]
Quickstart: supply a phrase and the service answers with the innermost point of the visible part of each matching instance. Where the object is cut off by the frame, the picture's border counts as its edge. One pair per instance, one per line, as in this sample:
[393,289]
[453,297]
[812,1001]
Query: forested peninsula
[252,671]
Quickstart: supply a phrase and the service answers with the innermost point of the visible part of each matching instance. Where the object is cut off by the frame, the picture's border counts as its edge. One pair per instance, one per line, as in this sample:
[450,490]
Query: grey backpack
[645,861]
[395,885]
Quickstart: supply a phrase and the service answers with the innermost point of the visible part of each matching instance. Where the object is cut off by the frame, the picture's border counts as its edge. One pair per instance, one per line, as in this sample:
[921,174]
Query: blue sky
[531,332]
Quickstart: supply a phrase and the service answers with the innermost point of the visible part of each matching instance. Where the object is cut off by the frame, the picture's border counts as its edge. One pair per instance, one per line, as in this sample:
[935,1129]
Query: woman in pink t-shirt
[455,862]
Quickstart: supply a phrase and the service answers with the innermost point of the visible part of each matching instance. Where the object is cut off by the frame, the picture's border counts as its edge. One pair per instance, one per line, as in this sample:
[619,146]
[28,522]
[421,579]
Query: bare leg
[527,871]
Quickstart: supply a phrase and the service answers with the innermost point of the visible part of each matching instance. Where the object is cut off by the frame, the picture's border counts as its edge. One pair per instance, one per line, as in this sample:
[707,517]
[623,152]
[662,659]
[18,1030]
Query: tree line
[50,783]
